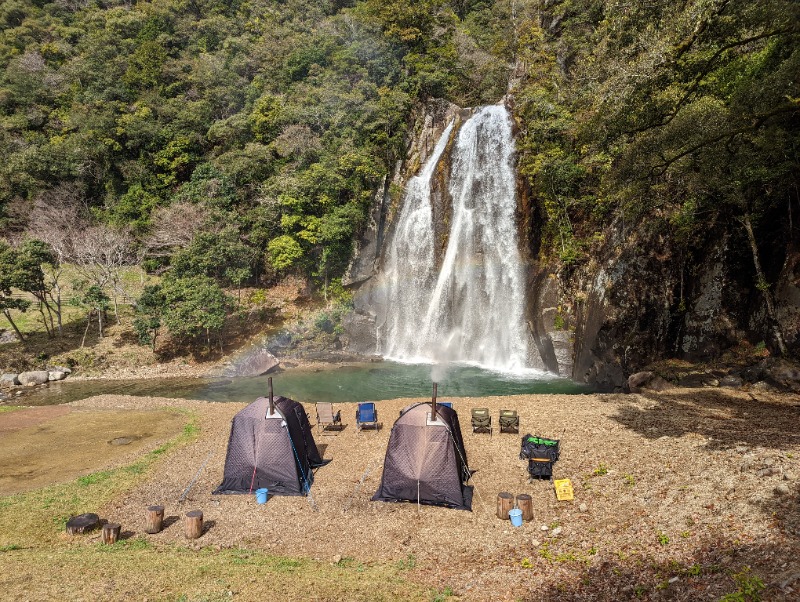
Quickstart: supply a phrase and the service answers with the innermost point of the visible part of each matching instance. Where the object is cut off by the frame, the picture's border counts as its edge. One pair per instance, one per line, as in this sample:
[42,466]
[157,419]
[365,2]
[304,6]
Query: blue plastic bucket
[261,495]
[515,514]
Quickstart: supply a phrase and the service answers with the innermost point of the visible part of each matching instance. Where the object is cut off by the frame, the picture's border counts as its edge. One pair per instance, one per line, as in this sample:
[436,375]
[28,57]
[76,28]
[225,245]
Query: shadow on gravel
[727,418]
[717,569]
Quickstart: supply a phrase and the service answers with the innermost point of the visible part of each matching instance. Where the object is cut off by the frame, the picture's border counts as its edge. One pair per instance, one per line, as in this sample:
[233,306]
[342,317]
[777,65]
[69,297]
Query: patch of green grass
[443,595]
[526,563]
[95,477]
[695,570]
[629,479]
[407,563]
[663,538]
[4,409]
[10,547]
[601,470]
[749,587]
[127,545]
[165,572]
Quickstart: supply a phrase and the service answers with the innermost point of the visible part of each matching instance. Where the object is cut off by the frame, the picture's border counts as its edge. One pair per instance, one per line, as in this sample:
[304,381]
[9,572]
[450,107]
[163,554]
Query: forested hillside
[661,143]
[224,144]
[269,123]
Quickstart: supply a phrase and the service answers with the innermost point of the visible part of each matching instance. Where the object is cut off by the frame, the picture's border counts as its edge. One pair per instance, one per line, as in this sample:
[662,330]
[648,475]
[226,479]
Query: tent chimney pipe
[271,401]
[433,402]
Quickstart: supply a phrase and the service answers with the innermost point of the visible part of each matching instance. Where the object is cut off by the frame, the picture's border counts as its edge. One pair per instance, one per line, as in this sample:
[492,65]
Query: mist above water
[471,309]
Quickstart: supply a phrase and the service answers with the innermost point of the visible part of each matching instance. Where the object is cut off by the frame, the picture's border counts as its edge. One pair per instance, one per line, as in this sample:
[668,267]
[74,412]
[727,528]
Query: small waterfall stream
[472,309]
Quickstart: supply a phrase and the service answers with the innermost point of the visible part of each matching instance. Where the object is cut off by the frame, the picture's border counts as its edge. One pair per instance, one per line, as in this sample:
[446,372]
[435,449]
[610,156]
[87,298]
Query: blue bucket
[261,495]
[515,514]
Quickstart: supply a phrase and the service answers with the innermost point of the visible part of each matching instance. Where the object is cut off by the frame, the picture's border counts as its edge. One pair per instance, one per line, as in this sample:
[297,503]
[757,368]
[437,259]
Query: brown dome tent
[276,451]
[425,460]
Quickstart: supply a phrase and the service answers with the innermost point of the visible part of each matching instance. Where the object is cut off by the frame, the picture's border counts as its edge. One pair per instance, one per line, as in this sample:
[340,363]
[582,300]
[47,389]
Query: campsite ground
[680,495]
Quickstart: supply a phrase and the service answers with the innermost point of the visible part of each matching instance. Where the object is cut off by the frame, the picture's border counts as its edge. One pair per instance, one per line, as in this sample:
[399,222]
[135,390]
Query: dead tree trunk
[7,314]
[86,331]
[763,286]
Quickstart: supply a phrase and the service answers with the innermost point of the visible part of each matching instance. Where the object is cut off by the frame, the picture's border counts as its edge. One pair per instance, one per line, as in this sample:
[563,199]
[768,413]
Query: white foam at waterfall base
[471,310]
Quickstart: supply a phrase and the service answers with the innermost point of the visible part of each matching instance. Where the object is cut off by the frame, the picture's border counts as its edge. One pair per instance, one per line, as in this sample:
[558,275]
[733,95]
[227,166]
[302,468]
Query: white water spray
[472,310]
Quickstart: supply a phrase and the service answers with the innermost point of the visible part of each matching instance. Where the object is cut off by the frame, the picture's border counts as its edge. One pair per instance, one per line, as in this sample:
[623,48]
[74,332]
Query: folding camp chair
[327,419]
[509,421]
[481,421]
[366,415]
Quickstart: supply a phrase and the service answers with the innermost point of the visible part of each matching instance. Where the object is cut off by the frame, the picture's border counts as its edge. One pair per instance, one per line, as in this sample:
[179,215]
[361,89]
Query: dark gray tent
[276,451]
[425,460]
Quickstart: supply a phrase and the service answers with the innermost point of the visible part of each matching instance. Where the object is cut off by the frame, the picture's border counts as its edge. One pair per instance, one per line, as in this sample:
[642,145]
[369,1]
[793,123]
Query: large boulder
[253,363]
[36,377]
[646,380]
[8,380]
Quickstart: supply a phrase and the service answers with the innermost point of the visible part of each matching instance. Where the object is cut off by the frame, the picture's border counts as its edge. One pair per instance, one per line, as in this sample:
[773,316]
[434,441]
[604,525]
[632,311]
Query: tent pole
[271,400]
[433,402]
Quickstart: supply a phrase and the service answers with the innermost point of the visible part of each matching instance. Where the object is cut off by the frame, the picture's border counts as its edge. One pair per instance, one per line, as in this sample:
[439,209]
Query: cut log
[505,502]
[525,503]
[110,533]
[155,518]
[83,523]
[194,524]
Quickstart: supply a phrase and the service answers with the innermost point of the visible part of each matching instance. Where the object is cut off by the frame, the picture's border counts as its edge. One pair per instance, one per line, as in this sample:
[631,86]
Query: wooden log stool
[83,523]
[525,503]
[194,524]
[505,502]
[155,519]
[110,533]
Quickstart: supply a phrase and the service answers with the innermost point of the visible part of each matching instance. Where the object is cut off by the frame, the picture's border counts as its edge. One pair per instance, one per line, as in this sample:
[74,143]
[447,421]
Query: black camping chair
[509,421]
[481,421]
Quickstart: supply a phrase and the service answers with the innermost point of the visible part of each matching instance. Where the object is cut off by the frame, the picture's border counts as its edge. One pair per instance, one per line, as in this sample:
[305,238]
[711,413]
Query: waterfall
[472,309]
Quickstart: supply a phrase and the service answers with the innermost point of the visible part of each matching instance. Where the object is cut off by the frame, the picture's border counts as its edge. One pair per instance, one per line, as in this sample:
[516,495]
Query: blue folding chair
[366,415]
[447,404]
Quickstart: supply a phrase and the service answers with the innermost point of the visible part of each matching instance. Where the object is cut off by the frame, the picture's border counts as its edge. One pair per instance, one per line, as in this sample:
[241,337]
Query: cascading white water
[472,310]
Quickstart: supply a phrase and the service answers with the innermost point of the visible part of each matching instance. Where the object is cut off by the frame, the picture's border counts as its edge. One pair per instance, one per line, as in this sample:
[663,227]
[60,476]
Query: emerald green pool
[342,383]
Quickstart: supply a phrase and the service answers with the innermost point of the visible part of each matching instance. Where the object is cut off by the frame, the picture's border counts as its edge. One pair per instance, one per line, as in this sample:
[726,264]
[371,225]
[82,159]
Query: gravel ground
[676,493]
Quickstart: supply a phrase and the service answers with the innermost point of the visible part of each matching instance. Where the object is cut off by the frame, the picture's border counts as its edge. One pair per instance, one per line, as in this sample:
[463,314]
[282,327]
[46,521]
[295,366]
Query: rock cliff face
[637,300]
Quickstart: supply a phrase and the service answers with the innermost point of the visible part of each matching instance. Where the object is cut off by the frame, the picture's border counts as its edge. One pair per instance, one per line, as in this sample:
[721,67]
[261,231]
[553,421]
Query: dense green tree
[9,279]
[195,307]
[219,255]
[32,256]
[150,308]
